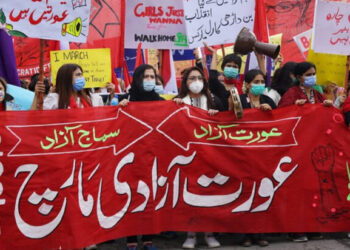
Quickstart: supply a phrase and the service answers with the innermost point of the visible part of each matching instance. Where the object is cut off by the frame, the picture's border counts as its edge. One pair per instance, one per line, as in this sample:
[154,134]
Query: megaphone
[73,28]
[246,42]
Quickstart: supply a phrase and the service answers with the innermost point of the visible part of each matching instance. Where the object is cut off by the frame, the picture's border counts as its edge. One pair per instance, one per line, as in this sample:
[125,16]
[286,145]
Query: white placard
[331,28]
[155,23]
[49,19]
[303,41]
[217,21]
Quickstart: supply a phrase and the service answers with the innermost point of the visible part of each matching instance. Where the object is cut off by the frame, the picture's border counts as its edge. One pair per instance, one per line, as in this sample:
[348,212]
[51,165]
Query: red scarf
[2,106]
[73,104]
[238,83]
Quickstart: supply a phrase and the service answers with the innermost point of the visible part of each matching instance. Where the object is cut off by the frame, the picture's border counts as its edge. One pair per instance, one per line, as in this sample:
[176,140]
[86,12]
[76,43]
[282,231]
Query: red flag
[106,29]
[27,52]
[260,22]
[168,72]
[127,77]
[139,57]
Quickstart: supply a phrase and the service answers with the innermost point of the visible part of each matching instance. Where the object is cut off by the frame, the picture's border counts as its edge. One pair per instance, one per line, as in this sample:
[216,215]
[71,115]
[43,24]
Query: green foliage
[2,17]
[17,33]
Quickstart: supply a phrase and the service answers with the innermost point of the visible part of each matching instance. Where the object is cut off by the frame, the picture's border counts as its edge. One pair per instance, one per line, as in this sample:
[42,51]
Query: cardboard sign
[111,172]
[155,23]
[96,64]
[53,20]
[217,22]
[330,68]
[22,98]
[332,28]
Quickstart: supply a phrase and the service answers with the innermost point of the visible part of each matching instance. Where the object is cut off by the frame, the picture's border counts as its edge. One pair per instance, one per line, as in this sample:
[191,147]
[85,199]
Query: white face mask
[2,95]
[196,87]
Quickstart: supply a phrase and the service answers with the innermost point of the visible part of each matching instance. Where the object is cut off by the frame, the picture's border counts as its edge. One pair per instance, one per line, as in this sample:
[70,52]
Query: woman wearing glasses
[195,92]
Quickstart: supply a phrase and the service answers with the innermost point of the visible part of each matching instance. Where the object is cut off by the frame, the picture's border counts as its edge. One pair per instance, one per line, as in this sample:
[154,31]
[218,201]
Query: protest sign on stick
[217,22]
[53,20]
[156,23]
[96,64]
[331,28]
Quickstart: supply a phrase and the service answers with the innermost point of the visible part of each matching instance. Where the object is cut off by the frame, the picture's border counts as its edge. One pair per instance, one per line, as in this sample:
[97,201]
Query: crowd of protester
[292,84]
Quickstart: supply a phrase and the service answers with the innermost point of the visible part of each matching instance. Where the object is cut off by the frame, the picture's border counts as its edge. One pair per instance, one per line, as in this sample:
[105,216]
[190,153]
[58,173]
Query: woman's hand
[212,112]
[124,103]
[178,100]
[211,49]
[39,87]
[327,103]
[300,102]
[265,107]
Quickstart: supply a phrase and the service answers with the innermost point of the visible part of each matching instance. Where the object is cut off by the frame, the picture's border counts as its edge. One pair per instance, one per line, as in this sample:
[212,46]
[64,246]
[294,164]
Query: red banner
[70,178]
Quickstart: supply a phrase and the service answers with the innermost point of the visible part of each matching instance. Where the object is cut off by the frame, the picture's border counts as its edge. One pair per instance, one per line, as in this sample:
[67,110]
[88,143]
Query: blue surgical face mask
[230,72]
[79,84]
[310,81]
[149,85]
[159,89]
[257,89]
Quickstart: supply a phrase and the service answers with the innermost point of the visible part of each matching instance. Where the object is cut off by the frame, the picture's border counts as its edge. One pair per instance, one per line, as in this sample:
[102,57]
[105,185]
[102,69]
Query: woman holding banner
[303,92]
[195,92]
[142,89]
[231,66]
[254,87]
[69,92]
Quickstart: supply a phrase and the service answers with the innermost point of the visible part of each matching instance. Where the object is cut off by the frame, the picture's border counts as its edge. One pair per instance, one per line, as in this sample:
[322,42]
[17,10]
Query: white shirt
[273,94]
[51,101]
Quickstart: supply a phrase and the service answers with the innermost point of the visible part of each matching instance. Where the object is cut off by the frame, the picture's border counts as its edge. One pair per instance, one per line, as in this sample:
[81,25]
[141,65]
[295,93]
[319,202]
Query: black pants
[133,239]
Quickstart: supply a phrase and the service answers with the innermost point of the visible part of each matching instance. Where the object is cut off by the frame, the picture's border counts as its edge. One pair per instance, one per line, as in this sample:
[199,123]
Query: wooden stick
[41,74]
[223,50]
[346,84]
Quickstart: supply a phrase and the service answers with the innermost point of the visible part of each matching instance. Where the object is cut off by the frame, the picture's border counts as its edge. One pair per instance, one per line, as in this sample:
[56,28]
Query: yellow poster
[96,64]
[276,40]
[329,68]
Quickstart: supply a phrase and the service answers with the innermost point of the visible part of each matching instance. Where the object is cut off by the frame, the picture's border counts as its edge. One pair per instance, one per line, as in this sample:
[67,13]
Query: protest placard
[55,20]
[330,68]
[303,41]
[332,28]
[96,64]
[217,22]
[156,23]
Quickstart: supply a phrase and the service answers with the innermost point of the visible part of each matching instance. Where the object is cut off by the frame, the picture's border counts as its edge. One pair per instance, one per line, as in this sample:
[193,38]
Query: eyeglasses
[282,7]
[193,78]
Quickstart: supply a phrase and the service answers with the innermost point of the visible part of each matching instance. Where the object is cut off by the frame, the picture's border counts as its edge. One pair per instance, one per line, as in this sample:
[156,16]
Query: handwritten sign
[49,19]
[217,21]
[96,64]
[332,28]
[99,171]
[155,23]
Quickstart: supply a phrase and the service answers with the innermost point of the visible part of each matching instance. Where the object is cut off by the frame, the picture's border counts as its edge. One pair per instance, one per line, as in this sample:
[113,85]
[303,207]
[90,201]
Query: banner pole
[223,50]
[41,74]
[346,84]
